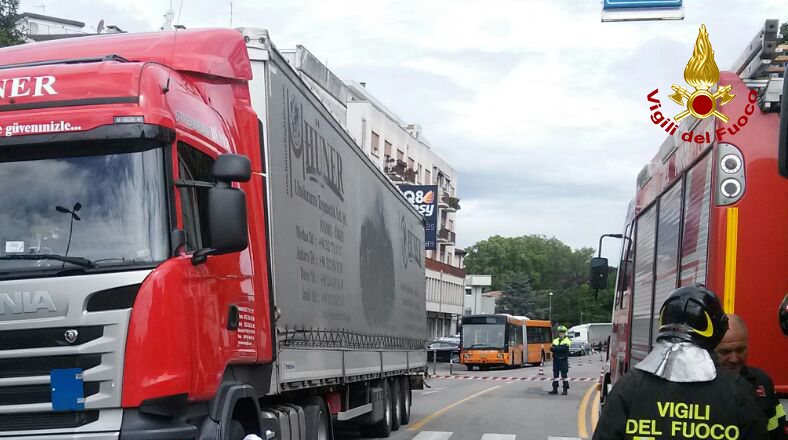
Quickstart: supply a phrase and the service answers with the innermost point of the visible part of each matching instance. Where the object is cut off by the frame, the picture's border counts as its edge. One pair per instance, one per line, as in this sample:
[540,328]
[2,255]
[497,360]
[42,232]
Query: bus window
[644,283]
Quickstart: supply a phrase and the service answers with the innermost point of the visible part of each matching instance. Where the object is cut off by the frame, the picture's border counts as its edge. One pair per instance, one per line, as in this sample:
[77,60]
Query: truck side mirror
[227,220]
[783,315]
[599,271]
[782,144]
[232,168]
[227,227]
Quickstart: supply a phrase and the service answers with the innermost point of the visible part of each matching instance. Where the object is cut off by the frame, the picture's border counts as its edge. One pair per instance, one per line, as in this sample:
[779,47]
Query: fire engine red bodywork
[762,231]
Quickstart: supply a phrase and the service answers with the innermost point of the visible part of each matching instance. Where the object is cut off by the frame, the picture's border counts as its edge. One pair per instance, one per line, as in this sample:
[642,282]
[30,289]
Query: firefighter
[732,354]
[677,391]
[560,351]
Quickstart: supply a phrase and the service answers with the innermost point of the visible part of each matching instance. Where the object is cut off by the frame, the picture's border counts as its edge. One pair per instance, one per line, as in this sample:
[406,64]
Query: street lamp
[551,308]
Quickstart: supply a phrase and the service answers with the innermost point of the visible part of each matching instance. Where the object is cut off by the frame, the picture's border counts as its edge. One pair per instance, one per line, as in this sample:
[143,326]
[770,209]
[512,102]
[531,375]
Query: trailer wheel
[381,428]
[316,417]
[237,431]
[405,398]
[396,404]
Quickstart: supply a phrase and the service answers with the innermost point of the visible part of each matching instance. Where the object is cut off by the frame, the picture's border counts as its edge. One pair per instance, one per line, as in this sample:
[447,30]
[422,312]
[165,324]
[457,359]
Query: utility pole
[551,308]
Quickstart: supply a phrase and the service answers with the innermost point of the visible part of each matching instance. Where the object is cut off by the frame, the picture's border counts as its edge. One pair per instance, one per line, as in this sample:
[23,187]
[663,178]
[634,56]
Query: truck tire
[382,428]
[237,431]
[405,397]
[396,404]
[318,426]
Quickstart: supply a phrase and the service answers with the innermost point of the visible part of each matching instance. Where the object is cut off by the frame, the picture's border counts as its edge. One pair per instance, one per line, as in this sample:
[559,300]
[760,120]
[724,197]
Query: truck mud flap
[416,382]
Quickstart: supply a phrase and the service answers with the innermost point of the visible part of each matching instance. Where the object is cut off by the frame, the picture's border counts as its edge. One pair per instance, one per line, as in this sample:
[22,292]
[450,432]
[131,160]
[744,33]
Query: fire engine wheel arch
[233,401]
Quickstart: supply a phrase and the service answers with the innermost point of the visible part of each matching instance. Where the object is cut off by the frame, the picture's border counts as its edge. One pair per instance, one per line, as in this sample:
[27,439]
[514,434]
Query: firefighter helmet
[693,314]
[561,328]
[783,315]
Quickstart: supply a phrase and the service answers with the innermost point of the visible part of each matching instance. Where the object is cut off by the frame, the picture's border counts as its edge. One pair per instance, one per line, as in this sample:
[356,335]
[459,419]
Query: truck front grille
[36,421]
[42,366]
[26,394]
[48,337]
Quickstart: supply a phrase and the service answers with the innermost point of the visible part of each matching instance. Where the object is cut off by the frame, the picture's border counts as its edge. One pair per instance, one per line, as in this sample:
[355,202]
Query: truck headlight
[500,355]
[466,356]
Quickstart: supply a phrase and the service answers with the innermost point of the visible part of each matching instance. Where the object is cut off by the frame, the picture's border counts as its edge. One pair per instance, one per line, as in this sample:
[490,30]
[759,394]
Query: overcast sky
[540,107]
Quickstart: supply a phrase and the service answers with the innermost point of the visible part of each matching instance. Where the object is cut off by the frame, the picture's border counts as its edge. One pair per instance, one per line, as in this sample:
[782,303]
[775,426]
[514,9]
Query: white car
[579,348]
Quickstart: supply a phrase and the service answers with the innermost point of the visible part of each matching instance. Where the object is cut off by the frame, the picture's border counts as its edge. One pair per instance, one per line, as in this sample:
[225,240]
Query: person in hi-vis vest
[560,351]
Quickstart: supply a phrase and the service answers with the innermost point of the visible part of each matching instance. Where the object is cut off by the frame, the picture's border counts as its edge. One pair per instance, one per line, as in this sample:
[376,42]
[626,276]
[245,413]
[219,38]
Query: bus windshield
[82,212]
[483,336]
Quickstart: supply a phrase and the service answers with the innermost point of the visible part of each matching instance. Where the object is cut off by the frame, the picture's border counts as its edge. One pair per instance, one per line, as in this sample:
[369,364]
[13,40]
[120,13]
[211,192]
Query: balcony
[400,173]
[443,200]
[446,236]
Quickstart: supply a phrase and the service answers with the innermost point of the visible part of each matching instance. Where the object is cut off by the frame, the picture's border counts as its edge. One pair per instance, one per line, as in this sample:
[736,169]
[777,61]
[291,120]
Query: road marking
[498,437]
[420,423]
[432,435]
[515,378]
[431,391]
[595,411]
[582,428]
[563,438]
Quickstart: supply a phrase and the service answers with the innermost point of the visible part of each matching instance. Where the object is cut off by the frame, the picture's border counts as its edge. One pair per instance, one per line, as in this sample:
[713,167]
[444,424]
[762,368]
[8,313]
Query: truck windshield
[483,336]
[82,212]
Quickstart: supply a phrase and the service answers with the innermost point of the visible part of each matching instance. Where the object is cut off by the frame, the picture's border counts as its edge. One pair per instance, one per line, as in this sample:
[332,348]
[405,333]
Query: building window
[364,133]
[411,163]
[400,155]
[375,144]
[420,176]
[387,148]
[451,225]
[427,177]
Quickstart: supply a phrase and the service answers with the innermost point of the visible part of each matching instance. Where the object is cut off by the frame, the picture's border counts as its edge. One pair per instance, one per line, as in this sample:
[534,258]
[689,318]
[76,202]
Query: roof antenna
[166,87]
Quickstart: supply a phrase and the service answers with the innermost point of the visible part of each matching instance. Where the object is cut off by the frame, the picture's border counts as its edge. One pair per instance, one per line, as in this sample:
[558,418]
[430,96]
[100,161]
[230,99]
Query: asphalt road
[502,405]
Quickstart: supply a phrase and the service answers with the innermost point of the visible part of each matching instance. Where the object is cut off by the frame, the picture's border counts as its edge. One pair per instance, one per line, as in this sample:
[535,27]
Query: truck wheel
[316,418]
[237,431]
[455,358]
[396,404]
[382,428]
[405,397]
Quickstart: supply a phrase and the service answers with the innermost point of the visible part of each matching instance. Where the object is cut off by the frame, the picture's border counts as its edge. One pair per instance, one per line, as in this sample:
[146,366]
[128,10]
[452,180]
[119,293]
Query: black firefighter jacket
[644,406]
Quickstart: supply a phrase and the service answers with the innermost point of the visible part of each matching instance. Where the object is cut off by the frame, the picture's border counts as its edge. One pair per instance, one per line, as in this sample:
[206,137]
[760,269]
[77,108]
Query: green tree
[9,34]
[527,268]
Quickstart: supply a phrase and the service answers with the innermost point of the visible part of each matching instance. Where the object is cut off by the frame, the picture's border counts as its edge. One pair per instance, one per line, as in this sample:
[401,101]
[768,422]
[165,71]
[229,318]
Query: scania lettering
[183,256]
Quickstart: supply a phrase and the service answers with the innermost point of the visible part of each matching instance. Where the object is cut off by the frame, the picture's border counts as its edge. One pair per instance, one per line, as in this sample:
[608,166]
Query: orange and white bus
[503,340]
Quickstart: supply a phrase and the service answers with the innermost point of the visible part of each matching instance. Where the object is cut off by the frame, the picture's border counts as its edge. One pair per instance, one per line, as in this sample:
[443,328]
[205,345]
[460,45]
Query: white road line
[498,437]
[563,438]
[433,435]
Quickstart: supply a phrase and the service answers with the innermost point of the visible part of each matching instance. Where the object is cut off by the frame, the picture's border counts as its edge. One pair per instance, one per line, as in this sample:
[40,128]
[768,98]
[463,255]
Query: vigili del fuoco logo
[702,74]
